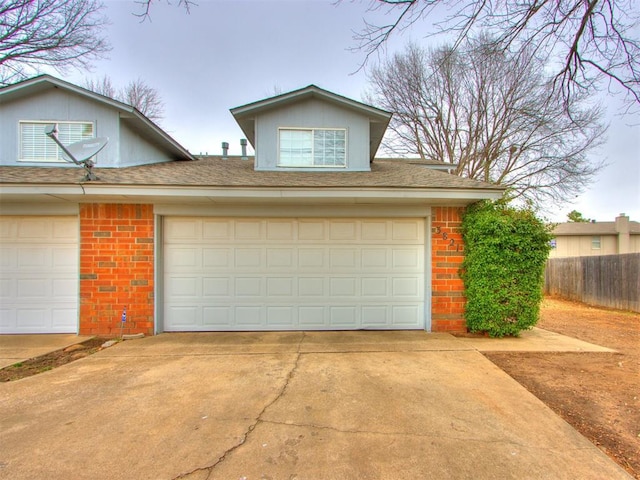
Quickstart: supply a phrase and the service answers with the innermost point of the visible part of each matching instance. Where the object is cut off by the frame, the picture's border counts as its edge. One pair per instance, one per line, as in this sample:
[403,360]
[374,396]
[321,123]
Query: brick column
[447,253]
[116,269]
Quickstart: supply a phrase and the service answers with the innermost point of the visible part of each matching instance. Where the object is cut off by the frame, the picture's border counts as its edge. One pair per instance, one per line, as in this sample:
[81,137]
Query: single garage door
[293,274]
[38,274]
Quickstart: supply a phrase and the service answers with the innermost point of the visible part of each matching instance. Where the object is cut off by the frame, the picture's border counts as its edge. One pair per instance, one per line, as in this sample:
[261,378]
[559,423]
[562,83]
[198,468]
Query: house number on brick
[445,236]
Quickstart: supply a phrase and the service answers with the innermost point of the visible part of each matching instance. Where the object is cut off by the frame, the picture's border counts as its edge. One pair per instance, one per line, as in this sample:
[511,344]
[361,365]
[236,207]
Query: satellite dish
[79,152]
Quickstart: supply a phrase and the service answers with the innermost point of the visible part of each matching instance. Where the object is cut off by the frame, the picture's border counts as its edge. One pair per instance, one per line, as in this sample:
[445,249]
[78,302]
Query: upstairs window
[36,146]
[595,243]
[314,147]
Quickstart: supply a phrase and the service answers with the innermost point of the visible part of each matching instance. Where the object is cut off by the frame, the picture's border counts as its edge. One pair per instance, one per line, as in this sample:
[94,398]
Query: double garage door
[38,274]
[224,274]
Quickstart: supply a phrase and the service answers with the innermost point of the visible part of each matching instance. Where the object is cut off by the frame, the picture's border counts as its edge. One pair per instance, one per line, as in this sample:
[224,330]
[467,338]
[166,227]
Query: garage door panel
[217,258]
[287,274]
[343,230]
[183,230]
[343,259]
[60,317]
[34,258]
[282,316]
[64,288]
[281,259]
[312,317]
[184,316]
[64,259]
[406,315]
[249,258]
[219,317]
[180,258]
[182,287]
[312,287]
[249,316]
[405,287]
[375,316]
[312,231]
[311,258]
[375,230]
[375,287]
[343,316]
[250,287]
[280,230]
[216,287]
[39,274]
[343,287]
[407,259]
[7,289]
[216,229]
[280,287]
[248,230]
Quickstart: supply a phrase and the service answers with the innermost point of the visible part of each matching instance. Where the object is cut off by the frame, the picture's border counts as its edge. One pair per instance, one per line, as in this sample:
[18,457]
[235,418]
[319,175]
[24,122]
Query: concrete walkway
[332,405]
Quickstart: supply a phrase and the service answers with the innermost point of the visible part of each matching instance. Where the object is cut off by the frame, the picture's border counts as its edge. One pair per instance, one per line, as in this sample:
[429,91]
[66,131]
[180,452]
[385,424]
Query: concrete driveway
[333,405]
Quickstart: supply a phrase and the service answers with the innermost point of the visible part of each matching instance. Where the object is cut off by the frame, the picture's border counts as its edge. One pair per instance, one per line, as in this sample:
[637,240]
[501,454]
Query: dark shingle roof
[234,172]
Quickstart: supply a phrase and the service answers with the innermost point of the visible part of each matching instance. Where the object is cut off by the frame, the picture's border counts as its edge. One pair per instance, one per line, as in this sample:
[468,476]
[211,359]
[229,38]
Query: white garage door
[293,274]
[38,274]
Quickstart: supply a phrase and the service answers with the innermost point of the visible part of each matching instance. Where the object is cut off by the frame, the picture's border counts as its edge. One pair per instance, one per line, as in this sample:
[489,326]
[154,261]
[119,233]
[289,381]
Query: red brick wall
[116,269]
[447,252]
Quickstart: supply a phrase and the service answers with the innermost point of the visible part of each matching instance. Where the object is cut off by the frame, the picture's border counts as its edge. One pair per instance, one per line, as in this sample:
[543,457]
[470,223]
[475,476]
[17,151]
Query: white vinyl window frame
[36,146]
[312,147]
[596,243]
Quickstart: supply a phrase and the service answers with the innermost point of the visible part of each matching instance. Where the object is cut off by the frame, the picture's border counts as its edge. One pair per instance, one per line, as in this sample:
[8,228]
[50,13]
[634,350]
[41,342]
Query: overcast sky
[228,53]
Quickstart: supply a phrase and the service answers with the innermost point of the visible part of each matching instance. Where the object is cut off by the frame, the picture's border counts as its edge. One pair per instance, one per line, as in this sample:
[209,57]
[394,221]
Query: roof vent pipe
[225,150]
[243,145]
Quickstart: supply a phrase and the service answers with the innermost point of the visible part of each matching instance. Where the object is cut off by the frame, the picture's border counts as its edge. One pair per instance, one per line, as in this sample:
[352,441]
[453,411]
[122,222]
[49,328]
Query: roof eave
[120,106]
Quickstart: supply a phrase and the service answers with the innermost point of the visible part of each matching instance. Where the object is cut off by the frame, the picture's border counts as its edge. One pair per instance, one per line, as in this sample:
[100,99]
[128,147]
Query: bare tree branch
[62,34]
[145,7]
[585,41]
[491,113]
[137,93]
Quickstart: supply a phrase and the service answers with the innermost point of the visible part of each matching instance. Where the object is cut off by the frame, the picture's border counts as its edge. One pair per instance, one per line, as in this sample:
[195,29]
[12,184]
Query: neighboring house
[579,239]
[312,234]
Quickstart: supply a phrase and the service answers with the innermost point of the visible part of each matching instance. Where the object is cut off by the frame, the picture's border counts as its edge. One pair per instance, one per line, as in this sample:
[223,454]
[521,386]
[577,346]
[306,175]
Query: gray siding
[312,114]
[125,147]
[134,150]
[52,106]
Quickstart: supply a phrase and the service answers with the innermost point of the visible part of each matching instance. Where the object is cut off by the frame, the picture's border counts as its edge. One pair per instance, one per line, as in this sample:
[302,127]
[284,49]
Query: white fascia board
[91,189]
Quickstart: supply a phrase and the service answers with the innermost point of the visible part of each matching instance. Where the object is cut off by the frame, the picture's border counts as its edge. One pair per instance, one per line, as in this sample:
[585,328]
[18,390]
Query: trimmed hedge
[503,272]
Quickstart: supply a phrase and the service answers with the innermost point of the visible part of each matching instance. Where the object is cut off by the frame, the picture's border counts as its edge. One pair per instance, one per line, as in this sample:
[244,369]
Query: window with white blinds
[36,146]
[315,147]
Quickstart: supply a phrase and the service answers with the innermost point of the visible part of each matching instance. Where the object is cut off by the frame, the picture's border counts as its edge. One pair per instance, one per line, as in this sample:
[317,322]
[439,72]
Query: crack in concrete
[418,435]
[258,420]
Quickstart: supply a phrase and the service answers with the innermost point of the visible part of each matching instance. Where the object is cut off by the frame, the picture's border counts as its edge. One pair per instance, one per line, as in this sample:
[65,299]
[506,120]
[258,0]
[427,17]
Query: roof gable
[379,119]
[128,114]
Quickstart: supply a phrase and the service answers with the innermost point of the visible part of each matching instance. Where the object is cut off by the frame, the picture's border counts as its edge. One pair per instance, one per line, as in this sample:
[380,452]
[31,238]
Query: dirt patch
[51,360]
[597,393]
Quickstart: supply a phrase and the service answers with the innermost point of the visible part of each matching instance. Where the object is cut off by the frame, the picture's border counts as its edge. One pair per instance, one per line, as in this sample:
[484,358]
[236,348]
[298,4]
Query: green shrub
[503,272]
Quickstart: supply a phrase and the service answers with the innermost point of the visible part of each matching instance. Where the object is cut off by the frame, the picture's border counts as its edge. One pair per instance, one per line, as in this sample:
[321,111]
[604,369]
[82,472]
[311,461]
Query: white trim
[168,192]
[311,211]
[158,273]
[428,274]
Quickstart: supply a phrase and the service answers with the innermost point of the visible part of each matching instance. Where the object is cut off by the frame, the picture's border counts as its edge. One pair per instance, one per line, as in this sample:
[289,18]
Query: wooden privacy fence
[608,280]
